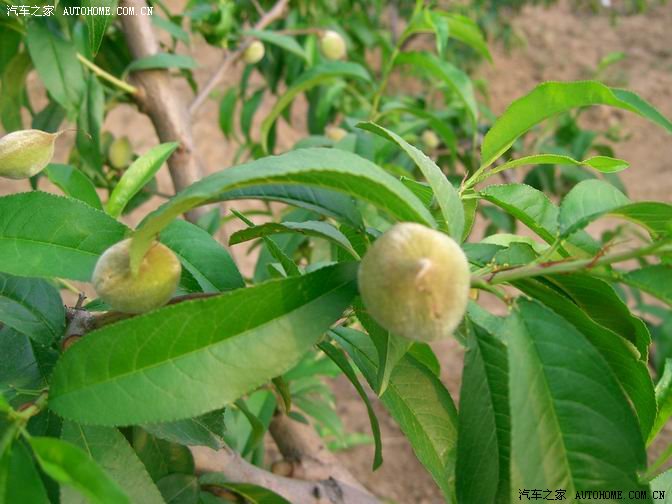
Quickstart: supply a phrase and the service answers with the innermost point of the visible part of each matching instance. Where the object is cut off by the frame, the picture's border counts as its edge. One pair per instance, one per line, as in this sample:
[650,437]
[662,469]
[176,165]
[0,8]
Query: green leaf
[161,457]
[482,471]
[13,89]
[551,98]
[620,354]
[179,489]
[656,280]
[70,465]
[89,124]
[663,400]
[125,373]
[318,229]
[112,452]
[97,23]
[419,403]
[250,106]
[467,31]
[315,76]
[326,202]
[571,425]
[173,29]
[283,41]
[446,195]
[603,304]
[43,235]
[452,76]
[73,183]
[162,60]
[390,347]
[663,483]
[32,307]
[20,369]
[252,494]
[342,362]
[227,109]
[55,60]
[210,264]
[20,482]
[198,431]
[322,168]
[141,171]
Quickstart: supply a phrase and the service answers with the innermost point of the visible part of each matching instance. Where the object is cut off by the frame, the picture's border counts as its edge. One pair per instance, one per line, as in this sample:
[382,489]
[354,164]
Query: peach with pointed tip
[25,153]
[415,281]
[151,288]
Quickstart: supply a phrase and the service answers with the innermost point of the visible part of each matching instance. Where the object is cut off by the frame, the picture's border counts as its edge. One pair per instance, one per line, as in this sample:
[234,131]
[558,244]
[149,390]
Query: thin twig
[274,14]
[124,86]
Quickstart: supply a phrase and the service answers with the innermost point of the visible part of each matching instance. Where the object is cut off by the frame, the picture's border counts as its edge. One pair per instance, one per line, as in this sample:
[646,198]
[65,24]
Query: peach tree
[164,386]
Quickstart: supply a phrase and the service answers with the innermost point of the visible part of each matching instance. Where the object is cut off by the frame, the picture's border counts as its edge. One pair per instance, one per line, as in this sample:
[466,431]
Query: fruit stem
[124,86]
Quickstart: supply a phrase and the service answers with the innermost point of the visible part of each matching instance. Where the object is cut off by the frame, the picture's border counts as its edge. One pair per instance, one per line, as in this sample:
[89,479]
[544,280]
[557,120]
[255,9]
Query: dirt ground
[560,44]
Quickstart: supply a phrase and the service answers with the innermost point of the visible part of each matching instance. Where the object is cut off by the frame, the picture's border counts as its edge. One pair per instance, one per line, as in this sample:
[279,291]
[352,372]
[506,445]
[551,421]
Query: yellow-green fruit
[151,288]
[430,139]
[120,153]
[333,45]
[415,282]
[25,153]
[335,133]
[254,52]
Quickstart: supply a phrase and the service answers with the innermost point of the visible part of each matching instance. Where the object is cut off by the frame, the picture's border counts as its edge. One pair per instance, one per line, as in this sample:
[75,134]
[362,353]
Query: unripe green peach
[430,139]
[254,52]
[120,153]
[333,45]
[151,288]
[335,133]
[25,153]
[415,282]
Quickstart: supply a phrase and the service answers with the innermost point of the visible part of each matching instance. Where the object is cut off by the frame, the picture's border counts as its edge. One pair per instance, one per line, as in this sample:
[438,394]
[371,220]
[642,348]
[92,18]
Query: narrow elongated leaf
[141,171]
[97,23]
[323,168]
[311,228]
[390,347]
[620,354]
[656,280]
[603,304]
[326,202]
[205,430]
[161,457]
[179,488]
[342,362]
[70,465]
[467,31]
[452,76]
[74,184]
[663,400]
[252,493]
[21,482]
[89,124]
[173,29]
[483,460]
[32,307]
[446,195]
[126,373]
[227,108]
[210,264]
[315,76]
[420,404]
[43,235]
[551,98]
[603,164]
[162,60]
[283,41]
[110,450]
[11,98]
[55,60]
[571,425]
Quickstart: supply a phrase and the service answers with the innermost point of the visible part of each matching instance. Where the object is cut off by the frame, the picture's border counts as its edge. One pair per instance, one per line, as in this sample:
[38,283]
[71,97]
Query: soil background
[557,43]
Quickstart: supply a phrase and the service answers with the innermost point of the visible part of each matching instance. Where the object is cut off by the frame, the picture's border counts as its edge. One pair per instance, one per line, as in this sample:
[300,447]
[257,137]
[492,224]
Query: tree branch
[231,58]
[235,468]
[158,98]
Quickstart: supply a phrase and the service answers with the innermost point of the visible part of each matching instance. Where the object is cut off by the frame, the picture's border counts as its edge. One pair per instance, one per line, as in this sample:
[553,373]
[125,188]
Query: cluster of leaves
[111,416]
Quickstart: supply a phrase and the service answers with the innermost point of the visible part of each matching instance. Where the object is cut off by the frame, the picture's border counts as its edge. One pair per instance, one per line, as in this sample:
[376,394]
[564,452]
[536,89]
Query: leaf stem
[384,81]
[124,86]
